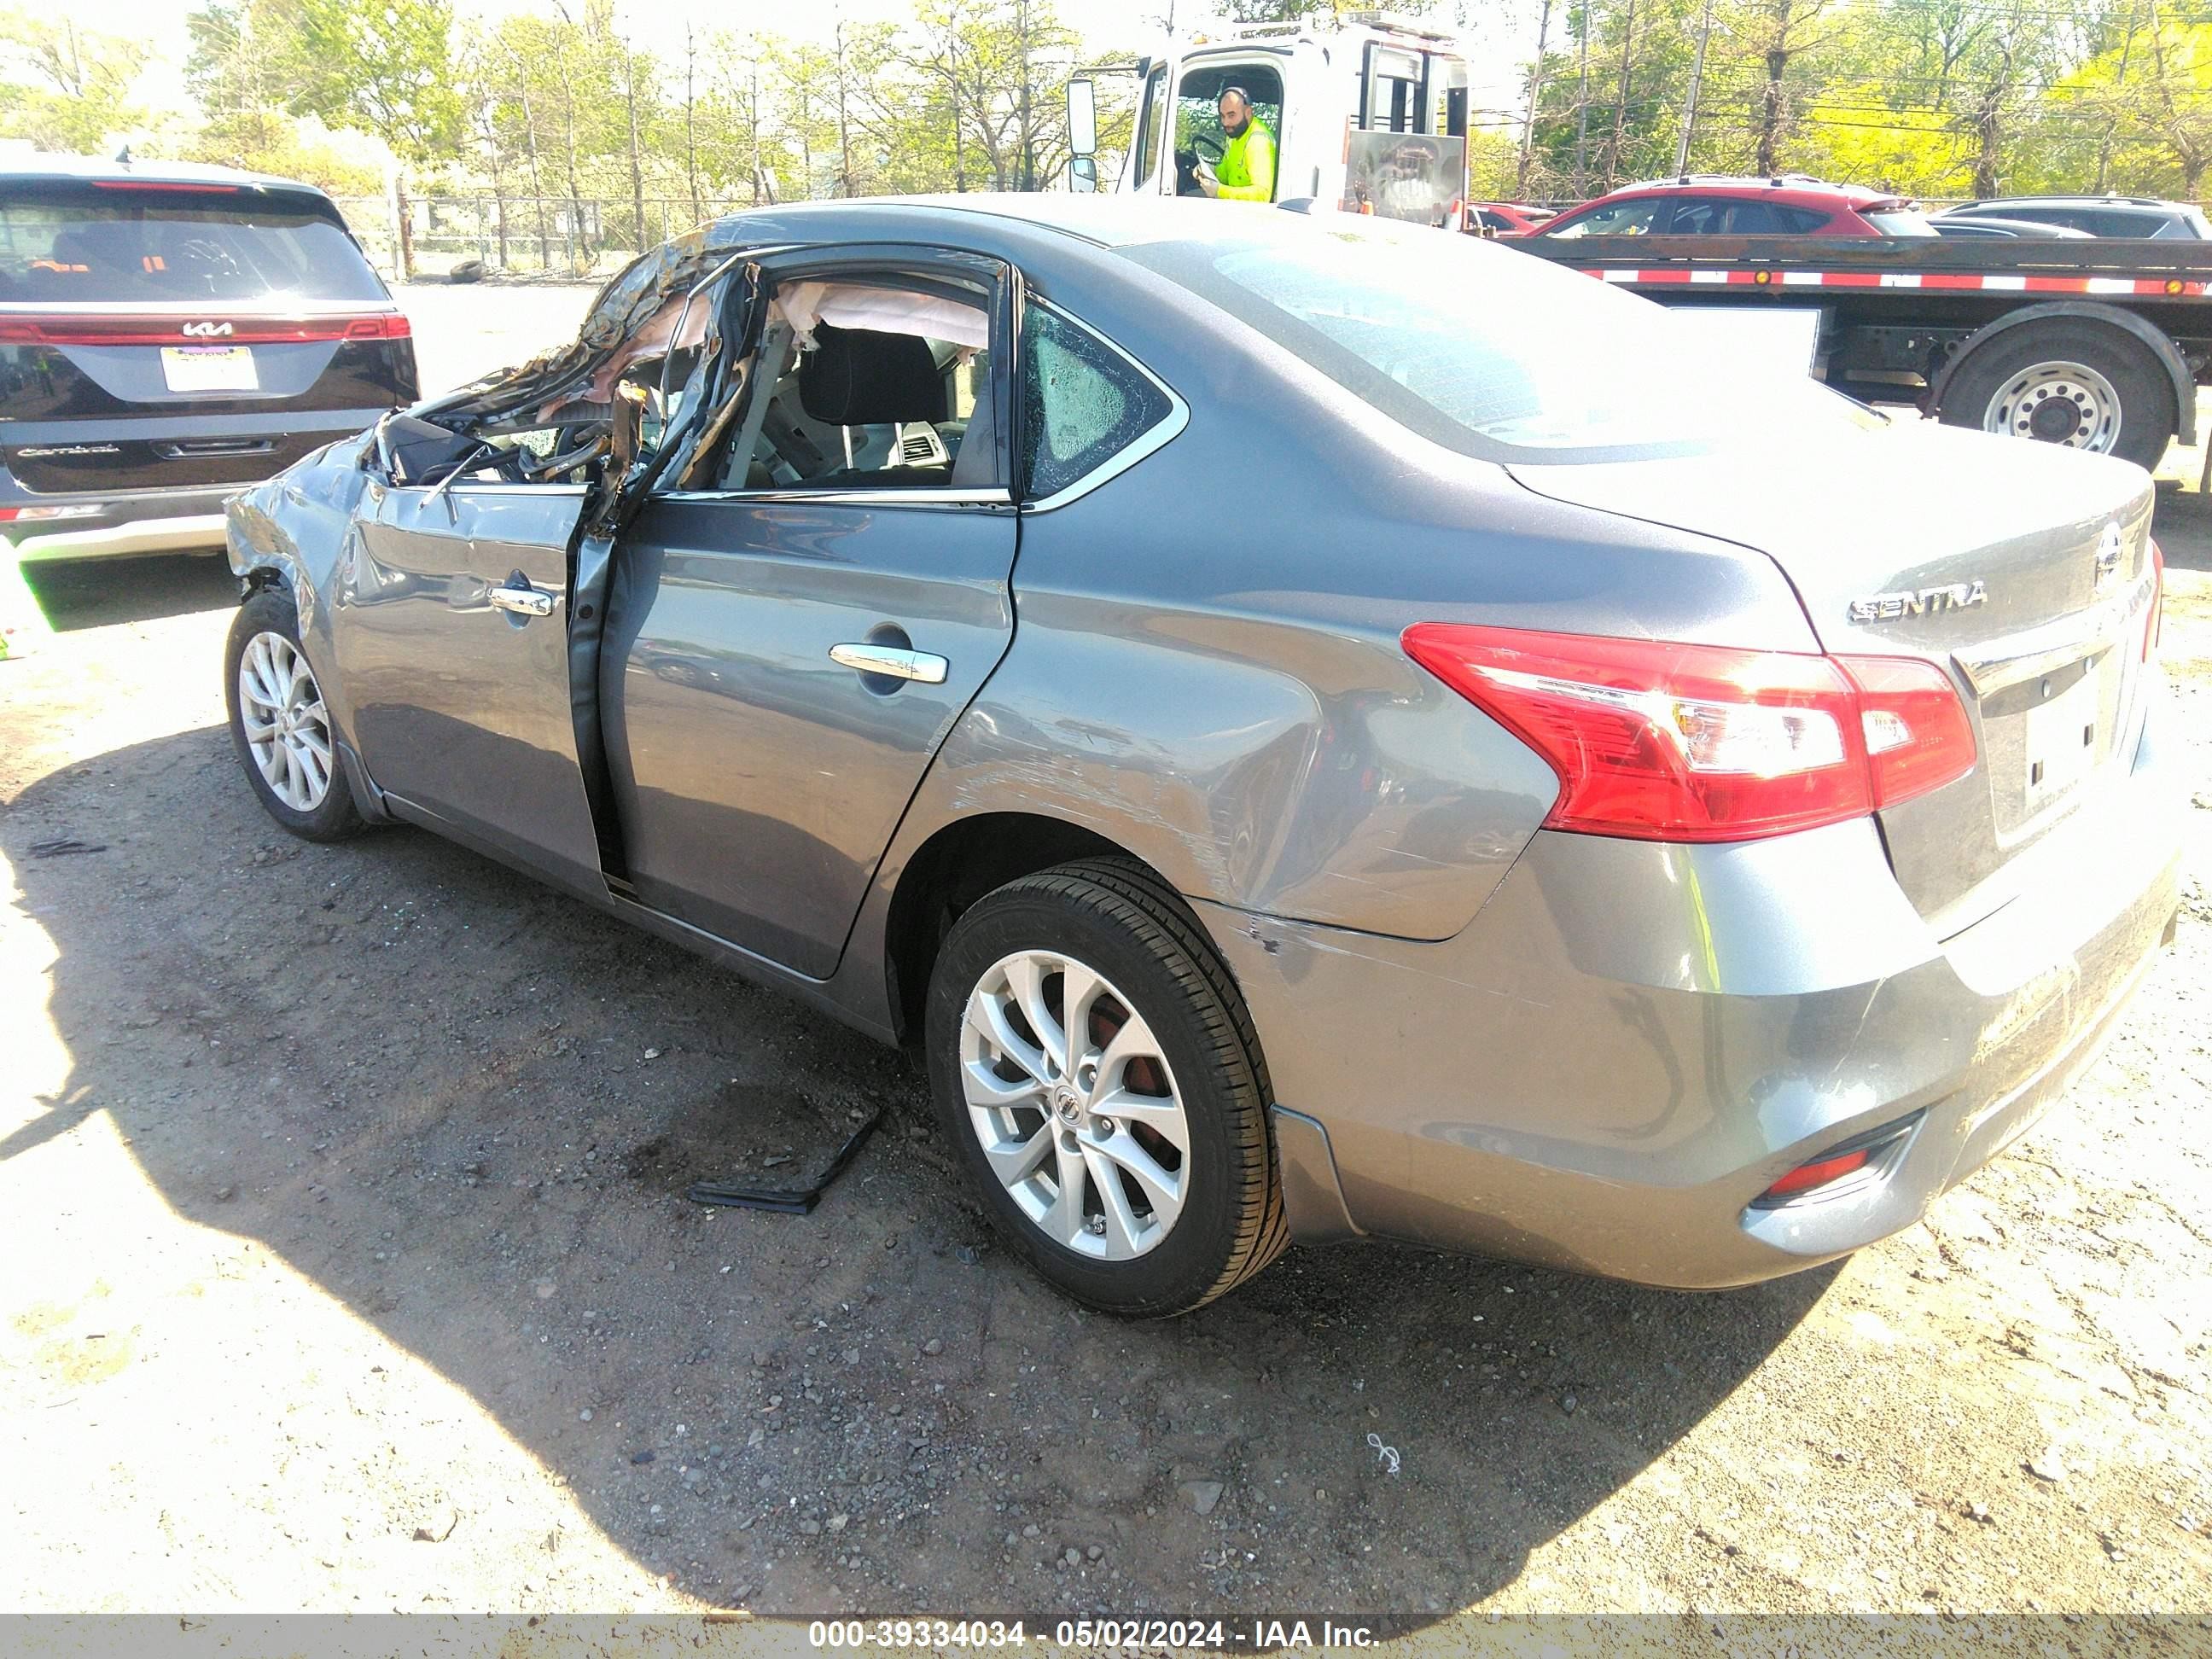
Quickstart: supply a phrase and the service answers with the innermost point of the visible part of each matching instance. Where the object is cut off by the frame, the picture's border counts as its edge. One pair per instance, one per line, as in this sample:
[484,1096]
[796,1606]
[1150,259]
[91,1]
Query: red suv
[1701,205]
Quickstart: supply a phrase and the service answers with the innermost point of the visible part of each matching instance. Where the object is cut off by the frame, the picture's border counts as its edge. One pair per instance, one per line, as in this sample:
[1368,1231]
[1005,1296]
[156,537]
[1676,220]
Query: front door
[787,649]
[453,642]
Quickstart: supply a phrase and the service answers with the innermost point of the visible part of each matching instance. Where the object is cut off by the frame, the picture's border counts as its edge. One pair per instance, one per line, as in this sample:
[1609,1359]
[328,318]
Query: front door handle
[522,601]
[891,662]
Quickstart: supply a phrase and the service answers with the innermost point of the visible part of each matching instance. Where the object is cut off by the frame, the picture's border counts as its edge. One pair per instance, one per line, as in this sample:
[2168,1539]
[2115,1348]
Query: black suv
[2100,215]
[169,333]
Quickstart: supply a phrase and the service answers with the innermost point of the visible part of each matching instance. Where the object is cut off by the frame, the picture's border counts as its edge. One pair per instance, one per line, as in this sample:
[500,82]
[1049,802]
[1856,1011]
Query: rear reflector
[1661,741]
[1819,1173]
[34,514]
[1854,1156]
[73,330]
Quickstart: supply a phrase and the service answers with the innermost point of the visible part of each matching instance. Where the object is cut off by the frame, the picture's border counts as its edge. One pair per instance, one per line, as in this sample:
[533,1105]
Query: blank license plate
[209,368]
[2061,741]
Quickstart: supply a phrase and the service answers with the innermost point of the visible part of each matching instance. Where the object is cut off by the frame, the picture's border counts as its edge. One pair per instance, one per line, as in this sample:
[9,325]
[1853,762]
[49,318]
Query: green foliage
[601,145]
[269,140]
[386,68]
[1930,97]
[66,88]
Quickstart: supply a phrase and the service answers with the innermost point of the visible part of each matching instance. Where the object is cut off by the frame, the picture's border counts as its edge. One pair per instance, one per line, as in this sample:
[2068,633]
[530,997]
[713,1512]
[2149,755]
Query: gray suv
[1300,741]
[2099,215]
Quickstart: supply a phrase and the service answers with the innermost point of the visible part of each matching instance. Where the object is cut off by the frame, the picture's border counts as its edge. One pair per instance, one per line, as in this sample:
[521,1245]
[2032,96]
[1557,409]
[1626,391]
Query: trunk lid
[2023,570]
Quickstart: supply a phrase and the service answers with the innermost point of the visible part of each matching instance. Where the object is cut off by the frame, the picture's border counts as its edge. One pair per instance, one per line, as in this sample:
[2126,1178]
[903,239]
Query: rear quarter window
[1083,403]
[1487,350]
[82,242]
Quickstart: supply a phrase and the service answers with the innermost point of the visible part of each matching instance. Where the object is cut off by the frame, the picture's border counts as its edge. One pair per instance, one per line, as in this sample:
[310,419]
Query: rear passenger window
[1083,403]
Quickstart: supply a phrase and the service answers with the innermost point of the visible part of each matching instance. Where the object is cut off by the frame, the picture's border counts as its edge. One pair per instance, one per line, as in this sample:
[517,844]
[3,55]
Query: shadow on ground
[2183,525]
[96,593]
[467,1108]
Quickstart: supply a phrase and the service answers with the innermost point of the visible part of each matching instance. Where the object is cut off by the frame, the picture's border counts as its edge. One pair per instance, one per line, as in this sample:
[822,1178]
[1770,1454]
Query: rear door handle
[891,662]
[522,601]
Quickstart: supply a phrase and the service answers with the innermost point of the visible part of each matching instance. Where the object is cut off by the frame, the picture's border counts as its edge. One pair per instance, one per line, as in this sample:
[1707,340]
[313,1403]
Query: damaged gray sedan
[1314,729]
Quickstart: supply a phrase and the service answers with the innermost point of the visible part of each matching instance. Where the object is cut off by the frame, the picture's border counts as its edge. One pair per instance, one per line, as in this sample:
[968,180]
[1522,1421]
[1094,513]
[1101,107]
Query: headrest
[858,377]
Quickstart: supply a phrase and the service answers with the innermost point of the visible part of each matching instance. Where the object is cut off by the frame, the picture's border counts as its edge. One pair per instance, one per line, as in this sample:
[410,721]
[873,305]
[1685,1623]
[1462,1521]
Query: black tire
[335,817]
[2143,390]
[1120,919]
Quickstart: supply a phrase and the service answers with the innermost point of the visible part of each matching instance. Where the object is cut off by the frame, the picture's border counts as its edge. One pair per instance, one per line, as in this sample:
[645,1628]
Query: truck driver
[1246,171]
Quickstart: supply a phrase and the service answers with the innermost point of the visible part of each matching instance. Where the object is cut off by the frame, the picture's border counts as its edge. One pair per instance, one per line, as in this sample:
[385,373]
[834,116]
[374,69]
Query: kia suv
[169,333]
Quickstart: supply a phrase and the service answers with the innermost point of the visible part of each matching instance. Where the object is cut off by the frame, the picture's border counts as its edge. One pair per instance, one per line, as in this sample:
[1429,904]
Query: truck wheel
[2067,383]
[1097,1070]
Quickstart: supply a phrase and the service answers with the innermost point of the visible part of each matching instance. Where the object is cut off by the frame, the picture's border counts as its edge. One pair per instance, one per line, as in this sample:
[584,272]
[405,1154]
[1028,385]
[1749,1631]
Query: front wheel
[2077,384]
[1092,1062]
[280,725]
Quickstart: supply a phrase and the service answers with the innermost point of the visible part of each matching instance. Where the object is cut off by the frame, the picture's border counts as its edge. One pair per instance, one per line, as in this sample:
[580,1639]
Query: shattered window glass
[1082,401]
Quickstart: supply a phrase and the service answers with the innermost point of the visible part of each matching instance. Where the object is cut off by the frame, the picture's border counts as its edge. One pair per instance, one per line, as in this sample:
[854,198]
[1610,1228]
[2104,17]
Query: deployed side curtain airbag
[882,311]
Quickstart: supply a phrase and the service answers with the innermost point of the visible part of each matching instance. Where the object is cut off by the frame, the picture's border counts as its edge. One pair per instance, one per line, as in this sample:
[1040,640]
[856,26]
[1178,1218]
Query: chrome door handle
[523,601]
[891,662]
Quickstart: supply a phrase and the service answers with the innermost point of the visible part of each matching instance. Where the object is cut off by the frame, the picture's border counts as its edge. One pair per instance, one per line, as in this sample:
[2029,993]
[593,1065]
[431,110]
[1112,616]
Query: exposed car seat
[860,376]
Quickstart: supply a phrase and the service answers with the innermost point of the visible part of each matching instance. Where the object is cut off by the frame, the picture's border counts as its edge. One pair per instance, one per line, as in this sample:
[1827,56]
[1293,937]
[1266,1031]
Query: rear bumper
[1632,1041]
[180,516]
[179,532]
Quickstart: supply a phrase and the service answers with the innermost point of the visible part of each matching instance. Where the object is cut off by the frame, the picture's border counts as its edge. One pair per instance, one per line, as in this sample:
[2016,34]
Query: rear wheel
[1094,1066]
[2068,383]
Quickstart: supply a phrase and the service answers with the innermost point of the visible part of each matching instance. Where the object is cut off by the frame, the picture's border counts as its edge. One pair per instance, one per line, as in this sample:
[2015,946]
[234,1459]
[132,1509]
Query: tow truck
[1369,111]
[2095,344]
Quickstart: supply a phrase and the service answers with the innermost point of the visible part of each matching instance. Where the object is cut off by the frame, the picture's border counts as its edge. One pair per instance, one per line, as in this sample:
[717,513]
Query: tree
[67,88]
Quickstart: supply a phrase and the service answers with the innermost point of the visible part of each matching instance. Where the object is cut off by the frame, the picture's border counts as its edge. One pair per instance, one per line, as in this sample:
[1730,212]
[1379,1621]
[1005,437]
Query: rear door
[783,657]
[171,335]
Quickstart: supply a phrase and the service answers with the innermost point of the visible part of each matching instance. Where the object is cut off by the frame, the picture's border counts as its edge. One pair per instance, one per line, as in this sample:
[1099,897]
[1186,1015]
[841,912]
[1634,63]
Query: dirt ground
[346,1267]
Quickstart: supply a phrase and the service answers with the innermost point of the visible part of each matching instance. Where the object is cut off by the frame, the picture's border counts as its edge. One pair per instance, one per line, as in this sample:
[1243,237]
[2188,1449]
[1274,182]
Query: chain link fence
[556,238]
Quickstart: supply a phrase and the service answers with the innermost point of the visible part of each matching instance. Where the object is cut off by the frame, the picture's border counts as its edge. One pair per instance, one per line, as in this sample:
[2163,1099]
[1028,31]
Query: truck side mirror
[1082,120]
[1083,173]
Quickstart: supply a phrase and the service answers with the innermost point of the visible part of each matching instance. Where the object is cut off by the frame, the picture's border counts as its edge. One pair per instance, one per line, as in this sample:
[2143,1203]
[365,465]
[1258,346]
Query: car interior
[874,385]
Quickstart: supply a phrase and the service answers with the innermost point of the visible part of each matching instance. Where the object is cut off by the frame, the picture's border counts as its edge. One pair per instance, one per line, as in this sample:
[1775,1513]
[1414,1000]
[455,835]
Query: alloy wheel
[286,729]
[1074,1105]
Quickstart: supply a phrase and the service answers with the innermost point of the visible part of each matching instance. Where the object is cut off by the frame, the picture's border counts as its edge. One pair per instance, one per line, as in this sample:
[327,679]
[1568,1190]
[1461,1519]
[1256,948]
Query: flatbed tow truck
[2095,345]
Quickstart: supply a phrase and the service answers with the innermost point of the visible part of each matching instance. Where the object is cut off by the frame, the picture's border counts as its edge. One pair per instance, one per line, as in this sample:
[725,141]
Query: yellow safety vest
[1246,171]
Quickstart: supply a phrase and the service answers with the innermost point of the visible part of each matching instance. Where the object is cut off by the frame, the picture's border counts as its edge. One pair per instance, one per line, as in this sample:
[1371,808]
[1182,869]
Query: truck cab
[1368,112]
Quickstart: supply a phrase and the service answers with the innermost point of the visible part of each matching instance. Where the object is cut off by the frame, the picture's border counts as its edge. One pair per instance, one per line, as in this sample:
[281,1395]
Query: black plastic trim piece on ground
[787,1200]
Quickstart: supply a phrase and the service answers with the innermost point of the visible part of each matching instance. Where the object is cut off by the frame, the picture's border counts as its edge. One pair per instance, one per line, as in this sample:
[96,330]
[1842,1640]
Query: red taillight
[1662,741]
[1819,1173]
[2155,621]
[385,325]
[1916,734]
[70,329]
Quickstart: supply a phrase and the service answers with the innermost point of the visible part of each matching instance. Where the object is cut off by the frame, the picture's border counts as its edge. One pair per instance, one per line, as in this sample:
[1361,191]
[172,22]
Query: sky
[1493,31]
